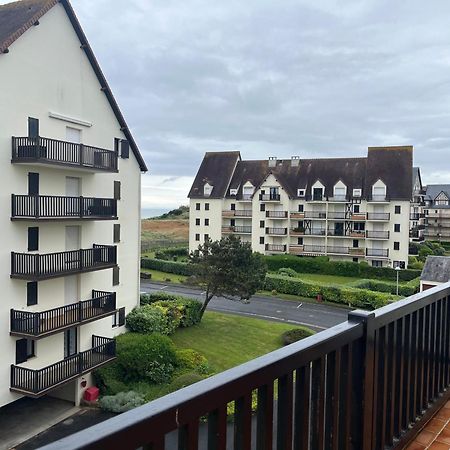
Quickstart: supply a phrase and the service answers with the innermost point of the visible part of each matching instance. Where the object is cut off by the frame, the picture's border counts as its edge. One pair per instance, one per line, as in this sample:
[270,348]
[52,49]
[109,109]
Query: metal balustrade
[59,207]
[54,151]
[43,323]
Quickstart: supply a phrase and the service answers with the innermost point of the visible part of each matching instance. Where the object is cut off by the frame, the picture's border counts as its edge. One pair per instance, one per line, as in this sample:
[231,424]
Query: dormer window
[233,191]
[339,191]
[247,191]
[441,199]
[207,189]
[379,192]
[301,192]
[357,192]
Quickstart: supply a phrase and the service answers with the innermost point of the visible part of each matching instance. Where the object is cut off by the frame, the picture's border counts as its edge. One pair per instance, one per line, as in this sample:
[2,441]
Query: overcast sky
[315,78]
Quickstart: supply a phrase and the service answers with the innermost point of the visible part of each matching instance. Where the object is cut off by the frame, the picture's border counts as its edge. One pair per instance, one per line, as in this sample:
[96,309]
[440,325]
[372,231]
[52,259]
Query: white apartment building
[355,209]
[417,212]
[69,260]
[437,212]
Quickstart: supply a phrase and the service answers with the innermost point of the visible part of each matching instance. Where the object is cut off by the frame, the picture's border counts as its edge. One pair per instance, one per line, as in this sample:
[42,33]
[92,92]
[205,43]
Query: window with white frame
[339,192]
[379,192]
[357,192]
[301,192]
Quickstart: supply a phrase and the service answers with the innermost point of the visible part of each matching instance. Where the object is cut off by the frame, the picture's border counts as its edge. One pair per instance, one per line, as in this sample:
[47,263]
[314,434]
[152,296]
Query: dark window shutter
[116,232]
[115,276]
[32,293]
[121,316]
[33,239]
[33,183]
[116,190]
[21,350]
[33,127]
[124,149]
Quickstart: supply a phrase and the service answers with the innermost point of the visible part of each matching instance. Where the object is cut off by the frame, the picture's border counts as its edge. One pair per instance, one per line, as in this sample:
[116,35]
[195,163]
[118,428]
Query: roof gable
[16,18]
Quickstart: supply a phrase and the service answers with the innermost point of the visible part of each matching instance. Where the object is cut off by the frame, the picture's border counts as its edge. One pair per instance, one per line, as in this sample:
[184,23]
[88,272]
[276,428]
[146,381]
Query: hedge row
[171,253]
[178,268]
[357,298]
[405,290]
[322,265]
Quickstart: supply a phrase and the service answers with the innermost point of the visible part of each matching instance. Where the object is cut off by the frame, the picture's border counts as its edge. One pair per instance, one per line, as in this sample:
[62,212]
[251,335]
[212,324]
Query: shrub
[147,299]
[405,290]
[182,381]
[107,379]
[414,263]
[291,336]
[121,402]
[172,253]
[145,357]
[287,272]
[151,319]
[175,267]
[360,298]
[171,310]
[192,360]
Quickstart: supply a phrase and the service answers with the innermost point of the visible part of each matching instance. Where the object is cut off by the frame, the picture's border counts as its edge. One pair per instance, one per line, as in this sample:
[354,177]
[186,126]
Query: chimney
[295,161]
[272,161]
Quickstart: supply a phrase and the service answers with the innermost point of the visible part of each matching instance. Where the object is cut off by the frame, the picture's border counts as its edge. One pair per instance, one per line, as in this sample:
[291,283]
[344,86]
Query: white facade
[47,76]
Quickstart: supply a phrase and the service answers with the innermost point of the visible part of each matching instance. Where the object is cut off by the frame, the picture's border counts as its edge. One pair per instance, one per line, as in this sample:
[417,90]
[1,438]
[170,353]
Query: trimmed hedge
[294,335]
[172,253]
[358,298]
[323,266]
[405,290]
[178,268]
[152,319]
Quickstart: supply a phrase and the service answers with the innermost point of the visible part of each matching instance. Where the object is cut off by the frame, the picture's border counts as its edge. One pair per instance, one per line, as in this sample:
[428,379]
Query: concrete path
[27,417]
[314,315]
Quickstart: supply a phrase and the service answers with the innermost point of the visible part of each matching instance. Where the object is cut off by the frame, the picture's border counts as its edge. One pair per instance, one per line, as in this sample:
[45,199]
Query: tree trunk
[208,298]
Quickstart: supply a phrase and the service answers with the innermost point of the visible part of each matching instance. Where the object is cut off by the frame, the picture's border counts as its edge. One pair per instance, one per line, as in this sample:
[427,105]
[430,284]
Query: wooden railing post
[366,318]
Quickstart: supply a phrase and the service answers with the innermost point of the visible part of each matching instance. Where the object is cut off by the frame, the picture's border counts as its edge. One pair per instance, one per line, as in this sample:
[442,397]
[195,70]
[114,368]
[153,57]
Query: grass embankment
[163,233]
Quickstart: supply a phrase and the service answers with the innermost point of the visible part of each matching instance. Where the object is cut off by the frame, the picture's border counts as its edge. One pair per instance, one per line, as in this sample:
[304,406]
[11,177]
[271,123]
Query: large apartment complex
[437,212]
[69,261]
[355,209]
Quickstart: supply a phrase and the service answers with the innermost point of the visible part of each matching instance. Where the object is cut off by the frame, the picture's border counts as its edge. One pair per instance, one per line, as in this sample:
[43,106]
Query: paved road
[316,316]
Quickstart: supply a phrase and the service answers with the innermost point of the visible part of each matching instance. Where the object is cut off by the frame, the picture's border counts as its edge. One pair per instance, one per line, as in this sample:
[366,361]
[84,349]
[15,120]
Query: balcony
[315,215]
[42,324]
[353,251]
[369,383]
[377,252]
[337,199]
[314,249]
[275,248]
[377,234]
[35,383]
[354,234]
[297,215]
[36,267]
[237,230]
[276,231]
[269,197]
[42,150]
[237,213]
[378,198]
[48,207]
[360,217]
[277,214]
[336,215]
[296,249]
[245,198]
[379,217]
[414,216]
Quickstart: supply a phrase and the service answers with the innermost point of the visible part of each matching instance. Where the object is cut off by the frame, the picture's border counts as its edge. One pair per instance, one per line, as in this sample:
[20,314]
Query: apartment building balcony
[269,197]
[384,235]
[35,267]
[245,198]
[237,213]
[276,231]
[378,199]
[297,215]
[314,249]
[340,250]
[315,215]
[377,252]
[414,216]
[296,249]
[48,151]
[237,229]
[277,214]
[336,215]
[372,382]
[44,323]
[275,248]
[337,199]
[354,234]
[359,217]
[52,207]
[299,231]
[37,382]
[382,217]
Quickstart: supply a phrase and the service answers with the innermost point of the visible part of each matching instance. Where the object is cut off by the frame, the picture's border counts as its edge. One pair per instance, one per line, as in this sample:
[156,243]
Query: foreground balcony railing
[369,383]
[31,266]
[37,382]
[53,151]
[44,323]
[57,207]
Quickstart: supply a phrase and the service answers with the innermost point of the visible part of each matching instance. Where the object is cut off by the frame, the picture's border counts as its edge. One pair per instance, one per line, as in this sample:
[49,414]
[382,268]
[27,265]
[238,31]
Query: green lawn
[164,276]
[330,279]
[228,340]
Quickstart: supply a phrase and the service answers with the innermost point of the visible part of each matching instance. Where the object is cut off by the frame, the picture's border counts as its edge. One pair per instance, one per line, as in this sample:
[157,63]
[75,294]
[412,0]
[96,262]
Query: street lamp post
[397,269]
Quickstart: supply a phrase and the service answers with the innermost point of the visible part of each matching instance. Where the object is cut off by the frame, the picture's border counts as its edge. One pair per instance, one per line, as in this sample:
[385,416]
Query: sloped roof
[16,18]
[416,176]
[216,169]
[433,190]
[436,268]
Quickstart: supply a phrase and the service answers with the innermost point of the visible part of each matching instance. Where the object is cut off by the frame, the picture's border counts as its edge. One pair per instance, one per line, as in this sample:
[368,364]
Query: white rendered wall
[46,71]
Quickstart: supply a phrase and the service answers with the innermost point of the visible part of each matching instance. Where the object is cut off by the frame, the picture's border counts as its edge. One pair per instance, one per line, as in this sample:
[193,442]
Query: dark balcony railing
[277,231]
[379,252]
[369,383]
[269,197]
[314,248]
[377,234]
[339,215]
[57,207]
[315,215]
[378,216]
[414,216]
[235,229]
[275,248]
[37,382]
[43,323]
[277,214]
[53,151]
[30,266]
[237,213]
